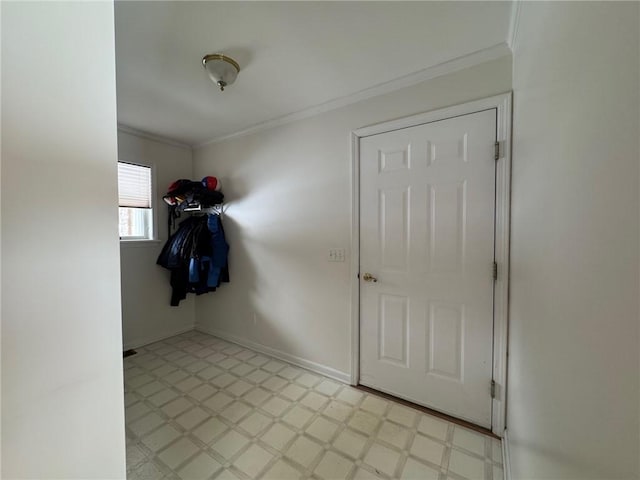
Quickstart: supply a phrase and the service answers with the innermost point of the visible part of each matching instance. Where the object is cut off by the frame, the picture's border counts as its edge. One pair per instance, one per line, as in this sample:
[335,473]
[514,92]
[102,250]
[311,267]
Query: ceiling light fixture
[223,70]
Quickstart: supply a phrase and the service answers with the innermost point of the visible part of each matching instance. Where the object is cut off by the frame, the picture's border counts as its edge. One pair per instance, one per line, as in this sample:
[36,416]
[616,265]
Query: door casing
[502,103]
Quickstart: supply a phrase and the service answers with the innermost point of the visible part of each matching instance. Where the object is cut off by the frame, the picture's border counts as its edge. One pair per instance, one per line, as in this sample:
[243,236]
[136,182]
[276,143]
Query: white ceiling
[292,56]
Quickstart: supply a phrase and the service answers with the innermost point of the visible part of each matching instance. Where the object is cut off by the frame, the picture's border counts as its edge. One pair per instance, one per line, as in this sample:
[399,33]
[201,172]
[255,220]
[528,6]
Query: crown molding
[514,23]
[460,63]
[151,136]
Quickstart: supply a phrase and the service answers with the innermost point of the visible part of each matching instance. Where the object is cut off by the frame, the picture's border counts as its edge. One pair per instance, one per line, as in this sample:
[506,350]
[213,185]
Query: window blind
[134,185]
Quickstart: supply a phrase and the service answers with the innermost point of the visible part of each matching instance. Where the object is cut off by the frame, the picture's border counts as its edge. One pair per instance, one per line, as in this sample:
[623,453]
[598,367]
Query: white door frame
[502,103]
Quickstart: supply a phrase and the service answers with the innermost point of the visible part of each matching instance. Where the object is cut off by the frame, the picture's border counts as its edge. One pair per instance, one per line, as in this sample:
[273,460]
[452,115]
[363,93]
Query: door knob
[367,277]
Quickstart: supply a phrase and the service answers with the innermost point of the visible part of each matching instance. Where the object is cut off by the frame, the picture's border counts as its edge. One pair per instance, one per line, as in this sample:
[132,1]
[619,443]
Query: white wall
[289,194]
[146,293]
[573,370]
[62,394]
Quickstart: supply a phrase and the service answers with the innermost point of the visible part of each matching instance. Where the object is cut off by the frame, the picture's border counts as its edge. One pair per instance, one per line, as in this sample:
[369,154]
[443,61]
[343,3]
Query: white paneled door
[427,221]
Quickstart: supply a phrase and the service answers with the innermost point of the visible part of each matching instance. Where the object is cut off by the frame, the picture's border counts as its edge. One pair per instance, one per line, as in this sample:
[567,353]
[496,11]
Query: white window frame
[154,210]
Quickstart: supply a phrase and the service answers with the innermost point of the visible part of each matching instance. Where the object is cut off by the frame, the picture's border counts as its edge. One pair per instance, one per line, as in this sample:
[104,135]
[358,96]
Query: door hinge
[493,389]
[497,150]
[495,270]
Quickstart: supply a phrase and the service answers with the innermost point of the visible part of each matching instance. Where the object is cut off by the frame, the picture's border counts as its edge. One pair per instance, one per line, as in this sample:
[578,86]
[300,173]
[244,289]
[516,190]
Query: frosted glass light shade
[222,70]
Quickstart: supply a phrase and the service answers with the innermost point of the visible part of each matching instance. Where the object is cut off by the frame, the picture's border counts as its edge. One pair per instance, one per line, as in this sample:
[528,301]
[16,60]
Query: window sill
[139,243]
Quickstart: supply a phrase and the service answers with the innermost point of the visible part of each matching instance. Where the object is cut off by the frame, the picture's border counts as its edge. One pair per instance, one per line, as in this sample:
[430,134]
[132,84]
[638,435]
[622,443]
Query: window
[134,192]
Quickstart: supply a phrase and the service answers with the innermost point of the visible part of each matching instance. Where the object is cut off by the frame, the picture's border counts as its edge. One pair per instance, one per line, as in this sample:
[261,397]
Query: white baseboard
[506,459]
[141,342]
[280,355]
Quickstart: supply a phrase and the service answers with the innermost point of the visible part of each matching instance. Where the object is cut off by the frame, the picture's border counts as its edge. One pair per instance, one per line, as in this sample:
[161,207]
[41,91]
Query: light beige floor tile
[196,366]
[290,372]
[350,395]
[375,405]
[327,387]
[175,377]
[162,397]
[255,423]
[239,388]
[402,415]
[414,470]
[146,424]
[496,451]
[433,427]
[135,455]
[298,416]
[350,442]
[273,366]
[139,381]
[469,440]
[133,372]
[258,360]
[278,436]
[304,451]
[333,467]
[322,429]
[178,452]
[149,389]
[185,361]
[427,449]
[394,434]
[245,355]
[215,358]
[135,411]
[161,437]
[192,418]
[224,380]
[382,458]
[201,467]
[130,398]
[365,422]
[209,430]
[227,474]
[274,383]
[188,384]
[253,461]
[466,465]
[257,376]
[202,392]
[362,474]
[275,406]
[282,471]
[148,471]
[164,370]
[338,410]
[176,407]
[235,411]
[232,349]
[242,369]
[218,402]
[229,444]
[308,379]
[293,391]
[314,400]
[229,363]
[256,396]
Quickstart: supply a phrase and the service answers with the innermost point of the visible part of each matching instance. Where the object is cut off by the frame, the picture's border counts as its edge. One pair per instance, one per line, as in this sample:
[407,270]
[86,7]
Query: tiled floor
[198,407]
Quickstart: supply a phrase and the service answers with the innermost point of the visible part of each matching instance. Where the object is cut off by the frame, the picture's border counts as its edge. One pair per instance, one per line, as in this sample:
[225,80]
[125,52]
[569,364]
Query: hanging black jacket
[188,255]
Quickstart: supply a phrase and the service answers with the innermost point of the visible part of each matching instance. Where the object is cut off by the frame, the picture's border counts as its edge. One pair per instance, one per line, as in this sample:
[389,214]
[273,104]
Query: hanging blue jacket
[218,264]
[197,257]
